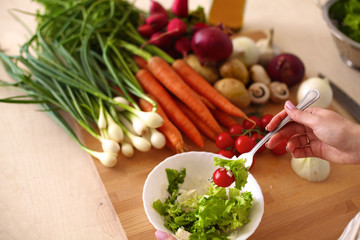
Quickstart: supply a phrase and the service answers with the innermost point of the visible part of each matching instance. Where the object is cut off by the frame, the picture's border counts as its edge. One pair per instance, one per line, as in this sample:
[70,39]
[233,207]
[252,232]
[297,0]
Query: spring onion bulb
[108,159]
[114,130]
[156,138]
[137,124]
[101,120]
[150,119]
[121,100]
[127,149]
[311,169]
[140,143]
[109,145]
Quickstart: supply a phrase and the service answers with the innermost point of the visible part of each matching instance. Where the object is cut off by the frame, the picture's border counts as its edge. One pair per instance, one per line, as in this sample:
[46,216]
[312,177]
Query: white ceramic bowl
[199,167]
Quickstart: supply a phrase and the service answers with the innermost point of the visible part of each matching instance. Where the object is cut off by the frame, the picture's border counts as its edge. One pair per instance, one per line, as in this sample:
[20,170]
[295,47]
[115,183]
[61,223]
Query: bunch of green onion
[79,61]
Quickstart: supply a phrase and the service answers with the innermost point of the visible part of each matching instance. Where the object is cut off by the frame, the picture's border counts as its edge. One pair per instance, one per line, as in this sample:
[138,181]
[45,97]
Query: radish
[146,30]
[157,21]
[156,7]
[176,27]
[180,8]
[160,39]
[197,26]
[182,45]
[211,45]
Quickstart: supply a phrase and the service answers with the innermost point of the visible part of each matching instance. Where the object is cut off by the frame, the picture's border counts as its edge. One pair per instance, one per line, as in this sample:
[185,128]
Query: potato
[234,90]
[209,73]
[235,68]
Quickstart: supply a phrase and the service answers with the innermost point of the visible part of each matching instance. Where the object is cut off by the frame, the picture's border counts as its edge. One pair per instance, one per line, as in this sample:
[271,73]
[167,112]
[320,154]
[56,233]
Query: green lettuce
[346,14]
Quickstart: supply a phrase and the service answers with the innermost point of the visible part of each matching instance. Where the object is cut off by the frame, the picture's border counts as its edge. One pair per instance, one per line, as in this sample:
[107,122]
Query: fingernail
[289,105]
[266,145]
[266,128]
[287,149]
[160,235]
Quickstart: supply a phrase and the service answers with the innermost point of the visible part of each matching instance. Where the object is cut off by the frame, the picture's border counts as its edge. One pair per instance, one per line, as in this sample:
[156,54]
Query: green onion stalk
[79,61]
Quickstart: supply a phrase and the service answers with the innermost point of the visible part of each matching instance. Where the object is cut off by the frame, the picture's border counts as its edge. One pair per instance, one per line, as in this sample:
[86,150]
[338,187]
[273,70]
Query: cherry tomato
[248,124]
[264,120]
[226,153]
[223,178]
[224,140]
[235,129]
[244,144]
[280,149]
[256,137]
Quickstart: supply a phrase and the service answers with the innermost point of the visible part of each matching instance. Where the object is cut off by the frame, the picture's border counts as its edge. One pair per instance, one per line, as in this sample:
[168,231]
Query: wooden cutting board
[294,208]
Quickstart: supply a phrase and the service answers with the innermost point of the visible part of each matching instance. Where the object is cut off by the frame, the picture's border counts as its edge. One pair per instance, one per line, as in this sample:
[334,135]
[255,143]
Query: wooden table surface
[51,189]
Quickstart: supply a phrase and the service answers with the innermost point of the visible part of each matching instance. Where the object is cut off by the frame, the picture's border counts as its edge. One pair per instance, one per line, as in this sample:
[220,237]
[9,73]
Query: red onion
[286,68]
[211,45]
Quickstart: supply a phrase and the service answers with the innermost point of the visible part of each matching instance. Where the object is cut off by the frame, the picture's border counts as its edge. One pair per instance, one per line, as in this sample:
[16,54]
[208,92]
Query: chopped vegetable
[237,167]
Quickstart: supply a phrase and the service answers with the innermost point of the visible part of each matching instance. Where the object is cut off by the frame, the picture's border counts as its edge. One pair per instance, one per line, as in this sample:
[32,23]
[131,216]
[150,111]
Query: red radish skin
[182,45]
[157,21]
[286,68]
[176,27]
[211,45]
[180,8]
[145,30]
[161,40]
[156,7]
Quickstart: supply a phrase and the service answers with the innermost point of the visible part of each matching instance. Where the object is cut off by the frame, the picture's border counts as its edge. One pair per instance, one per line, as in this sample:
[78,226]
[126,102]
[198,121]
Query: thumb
[306,118]
[160,235]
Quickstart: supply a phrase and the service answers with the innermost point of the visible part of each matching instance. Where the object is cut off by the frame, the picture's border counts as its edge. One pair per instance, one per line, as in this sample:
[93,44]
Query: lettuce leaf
[237,167]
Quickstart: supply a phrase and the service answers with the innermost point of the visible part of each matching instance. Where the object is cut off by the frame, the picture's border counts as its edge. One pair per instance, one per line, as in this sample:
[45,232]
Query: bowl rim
[334,30]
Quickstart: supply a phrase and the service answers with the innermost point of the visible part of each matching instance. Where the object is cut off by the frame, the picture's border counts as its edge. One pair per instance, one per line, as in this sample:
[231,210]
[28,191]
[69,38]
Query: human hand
[163,236]
[317,132]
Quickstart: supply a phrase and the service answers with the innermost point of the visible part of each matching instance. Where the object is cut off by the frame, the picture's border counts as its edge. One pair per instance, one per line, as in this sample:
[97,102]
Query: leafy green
[174,178]
[212,216]
[346,16]
[237,167]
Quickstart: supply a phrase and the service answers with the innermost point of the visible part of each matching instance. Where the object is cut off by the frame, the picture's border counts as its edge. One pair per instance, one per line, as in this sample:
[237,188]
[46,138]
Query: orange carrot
[201,125]
[204,88]
[172,134]
[176,85]
[150,85]
[141,62]
[223,118]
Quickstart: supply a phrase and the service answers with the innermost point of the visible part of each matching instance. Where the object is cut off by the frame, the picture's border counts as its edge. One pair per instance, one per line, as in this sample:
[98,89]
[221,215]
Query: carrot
[141,62]
[150,85]
[223,118]
[176,85]
[201,125]
[204,88]
[172,134]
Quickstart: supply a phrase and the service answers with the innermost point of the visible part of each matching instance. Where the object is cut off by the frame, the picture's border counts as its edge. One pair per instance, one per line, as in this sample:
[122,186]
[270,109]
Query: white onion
[245,49]
[322,85]
[311,169]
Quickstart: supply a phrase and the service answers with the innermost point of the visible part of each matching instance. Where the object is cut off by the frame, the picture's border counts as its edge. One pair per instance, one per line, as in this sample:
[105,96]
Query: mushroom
[279,92]
[259,93]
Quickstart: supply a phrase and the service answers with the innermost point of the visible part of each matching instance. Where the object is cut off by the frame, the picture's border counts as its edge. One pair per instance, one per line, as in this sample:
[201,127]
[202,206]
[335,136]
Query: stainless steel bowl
[349,49]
